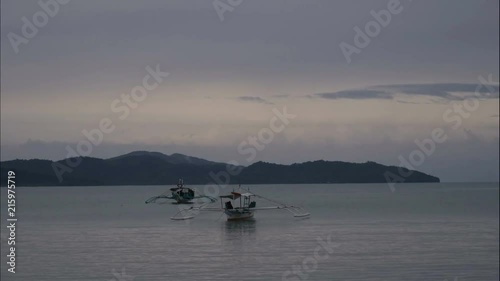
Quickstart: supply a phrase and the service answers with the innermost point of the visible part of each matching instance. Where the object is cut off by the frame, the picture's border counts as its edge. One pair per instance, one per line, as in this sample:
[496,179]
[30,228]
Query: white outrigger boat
[246,208]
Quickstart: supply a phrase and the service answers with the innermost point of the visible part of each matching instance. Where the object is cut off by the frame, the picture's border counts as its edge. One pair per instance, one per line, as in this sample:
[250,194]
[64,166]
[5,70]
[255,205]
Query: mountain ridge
[155,168]
[175,158]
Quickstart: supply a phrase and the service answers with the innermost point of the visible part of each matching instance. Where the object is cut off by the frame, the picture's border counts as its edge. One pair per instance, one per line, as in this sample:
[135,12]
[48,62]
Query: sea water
[444,231]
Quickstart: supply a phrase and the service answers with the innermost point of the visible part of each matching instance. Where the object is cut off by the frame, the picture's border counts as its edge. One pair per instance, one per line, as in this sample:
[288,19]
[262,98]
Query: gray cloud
[443,90]
[357,94]
[253,99]
[412,102]
[281,96]
[447,91]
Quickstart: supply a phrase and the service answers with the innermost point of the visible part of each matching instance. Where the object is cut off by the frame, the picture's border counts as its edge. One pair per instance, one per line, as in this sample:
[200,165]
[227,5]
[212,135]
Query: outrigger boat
[246,208]
[181,194]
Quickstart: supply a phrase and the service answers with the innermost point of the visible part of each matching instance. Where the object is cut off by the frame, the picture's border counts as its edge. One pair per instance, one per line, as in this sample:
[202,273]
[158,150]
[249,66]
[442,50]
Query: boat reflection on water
[240,230]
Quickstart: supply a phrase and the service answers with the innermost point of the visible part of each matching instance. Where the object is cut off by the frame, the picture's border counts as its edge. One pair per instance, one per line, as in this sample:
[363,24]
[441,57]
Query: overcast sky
[229,69]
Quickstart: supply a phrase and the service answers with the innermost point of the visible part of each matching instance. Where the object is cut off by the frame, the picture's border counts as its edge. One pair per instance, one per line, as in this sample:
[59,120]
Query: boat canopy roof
[236,195]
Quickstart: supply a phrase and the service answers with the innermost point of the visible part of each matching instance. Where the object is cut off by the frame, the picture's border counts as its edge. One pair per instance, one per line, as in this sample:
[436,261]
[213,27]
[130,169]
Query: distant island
[154,168]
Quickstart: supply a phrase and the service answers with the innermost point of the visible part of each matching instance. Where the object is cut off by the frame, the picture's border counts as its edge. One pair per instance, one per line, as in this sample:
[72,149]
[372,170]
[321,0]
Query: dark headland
[154,168]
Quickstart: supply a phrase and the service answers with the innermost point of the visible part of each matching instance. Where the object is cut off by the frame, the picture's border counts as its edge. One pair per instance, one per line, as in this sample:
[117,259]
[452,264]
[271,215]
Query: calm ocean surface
[355,232]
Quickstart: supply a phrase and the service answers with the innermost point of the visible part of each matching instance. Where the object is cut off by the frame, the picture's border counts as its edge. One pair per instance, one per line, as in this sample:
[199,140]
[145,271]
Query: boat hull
[183,201]
[233,215]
